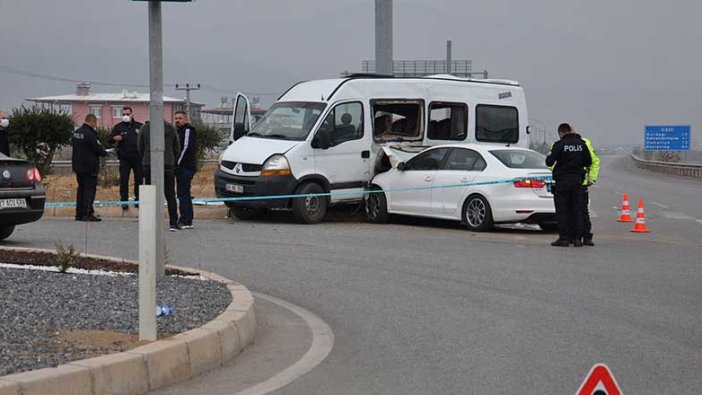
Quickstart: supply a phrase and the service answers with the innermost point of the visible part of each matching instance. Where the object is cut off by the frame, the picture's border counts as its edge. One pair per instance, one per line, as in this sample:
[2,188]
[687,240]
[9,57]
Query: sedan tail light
[33,175]
[529,183]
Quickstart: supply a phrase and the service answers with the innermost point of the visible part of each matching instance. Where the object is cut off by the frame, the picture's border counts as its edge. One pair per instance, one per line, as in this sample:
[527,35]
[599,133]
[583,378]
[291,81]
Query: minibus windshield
[288,121]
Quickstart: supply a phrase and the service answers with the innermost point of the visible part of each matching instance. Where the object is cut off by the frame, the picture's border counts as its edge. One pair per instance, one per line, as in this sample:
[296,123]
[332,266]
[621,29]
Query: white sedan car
[477,184]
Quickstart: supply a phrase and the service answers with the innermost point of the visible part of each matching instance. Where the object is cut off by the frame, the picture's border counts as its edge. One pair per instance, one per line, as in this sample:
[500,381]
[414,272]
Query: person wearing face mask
[4,124]
[126,134]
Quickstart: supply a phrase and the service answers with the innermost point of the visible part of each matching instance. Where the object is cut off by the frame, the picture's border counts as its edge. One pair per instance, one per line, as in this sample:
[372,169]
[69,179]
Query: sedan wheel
[377,207]
[477,214]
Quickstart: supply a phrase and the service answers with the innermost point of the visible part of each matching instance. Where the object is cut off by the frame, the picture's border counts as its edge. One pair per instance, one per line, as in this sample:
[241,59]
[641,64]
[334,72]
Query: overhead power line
[31,74]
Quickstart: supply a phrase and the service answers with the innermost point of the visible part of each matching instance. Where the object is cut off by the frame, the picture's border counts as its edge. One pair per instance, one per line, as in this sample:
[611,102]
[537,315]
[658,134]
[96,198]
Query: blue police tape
[325,194]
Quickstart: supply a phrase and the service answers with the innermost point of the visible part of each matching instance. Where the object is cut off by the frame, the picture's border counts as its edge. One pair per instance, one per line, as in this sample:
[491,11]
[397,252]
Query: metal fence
[675,169]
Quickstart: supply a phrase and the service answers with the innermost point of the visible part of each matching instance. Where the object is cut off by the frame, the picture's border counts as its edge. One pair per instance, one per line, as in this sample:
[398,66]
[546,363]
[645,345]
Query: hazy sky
[609,67]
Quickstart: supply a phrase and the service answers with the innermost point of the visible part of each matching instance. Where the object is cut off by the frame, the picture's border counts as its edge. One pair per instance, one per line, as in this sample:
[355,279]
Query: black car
[22,195]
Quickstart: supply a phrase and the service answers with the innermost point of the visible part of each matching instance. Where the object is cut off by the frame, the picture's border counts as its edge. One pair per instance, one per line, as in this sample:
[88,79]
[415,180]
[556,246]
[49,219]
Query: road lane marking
[699,220]
[675,215]
[322,343]
[659,205]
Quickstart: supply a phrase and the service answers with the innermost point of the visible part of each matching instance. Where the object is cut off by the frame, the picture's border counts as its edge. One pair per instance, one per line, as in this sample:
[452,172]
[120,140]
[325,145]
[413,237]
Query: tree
[208,138]
[39,133]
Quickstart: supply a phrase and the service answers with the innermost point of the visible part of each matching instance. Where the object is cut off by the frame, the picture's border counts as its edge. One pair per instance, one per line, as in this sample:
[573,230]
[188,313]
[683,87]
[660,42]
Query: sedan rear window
[520,159]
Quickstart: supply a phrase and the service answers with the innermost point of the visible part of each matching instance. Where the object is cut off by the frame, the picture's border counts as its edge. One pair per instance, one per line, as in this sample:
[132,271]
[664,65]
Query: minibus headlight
[276,165]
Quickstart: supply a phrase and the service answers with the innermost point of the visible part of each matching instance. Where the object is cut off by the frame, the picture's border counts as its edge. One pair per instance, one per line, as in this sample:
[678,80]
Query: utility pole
[383,37]
[187,88]
[449,59]
[152,248]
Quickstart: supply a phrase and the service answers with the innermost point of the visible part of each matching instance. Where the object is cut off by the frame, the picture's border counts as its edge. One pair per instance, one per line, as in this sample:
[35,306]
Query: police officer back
[85,159]
[569,158]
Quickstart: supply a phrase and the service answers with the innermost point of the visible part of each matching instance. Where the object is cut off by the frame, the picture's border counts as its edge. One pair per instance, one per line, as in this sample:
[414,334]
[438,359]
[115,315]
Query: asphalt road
[420,307]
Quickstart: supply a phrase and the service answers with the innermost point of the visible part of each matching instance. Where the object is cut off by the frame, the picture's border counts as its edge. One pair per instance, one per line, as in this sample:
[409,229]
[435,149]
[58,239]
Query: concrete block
[245,323]
[228,338]
[65,379]
[9,388]
[115,374]
[167,362]
[204,350]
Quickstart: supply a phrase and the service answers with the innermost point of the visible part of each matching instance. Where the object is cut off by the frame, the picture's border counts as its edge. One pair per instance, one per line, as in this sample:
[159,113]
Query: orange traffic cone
[640,225]
[626,214]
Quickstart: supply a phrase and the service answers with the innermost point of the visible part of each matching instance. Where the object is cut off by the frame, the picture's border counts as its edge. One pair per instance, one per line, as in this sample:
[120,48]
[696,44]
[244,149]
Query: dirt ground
[62,188]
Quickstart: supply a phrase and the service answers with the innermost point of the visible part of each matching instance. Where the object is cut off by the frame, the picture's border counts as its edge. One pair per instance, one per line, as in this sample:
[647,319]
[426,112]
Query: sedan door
[411,191]
[463,166]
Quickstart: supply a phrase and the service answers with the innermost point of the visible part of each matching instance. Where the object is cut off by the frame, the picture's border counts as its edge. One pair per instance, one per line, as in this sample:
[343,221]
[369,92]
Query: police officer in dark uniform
[126,134]
[86,164]
[569,157]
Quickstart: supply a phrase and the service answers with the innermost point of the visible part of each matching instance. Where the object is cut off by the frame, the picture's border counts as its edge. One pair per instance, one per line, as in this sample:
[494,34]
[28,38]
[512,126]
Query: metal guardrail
[677,169]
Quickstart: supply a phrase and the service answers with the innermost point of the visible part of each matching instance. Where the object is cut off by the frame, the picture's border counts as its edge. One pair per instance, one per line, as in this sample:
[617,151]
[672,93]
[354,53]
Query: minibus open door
[241,118]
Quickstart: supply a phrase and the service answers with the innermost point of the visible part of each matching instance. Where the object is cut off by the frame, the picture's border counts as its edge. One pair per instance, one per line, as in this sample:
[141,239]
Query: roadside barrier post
[149,211]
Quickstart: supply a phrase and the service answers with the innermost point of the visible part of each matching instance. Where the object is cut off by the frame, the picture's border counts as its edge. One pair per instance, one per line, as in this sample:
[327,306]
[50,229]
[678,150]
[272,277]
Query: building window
[496,124]
[96,109]
[397,120]
[447,121]
[117,112]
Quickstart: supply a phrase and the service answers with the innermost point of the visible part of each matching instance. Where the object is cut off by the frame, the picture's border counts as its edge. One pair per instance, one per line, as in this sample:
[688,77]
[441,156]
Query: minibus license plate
[13,203]
[235,188]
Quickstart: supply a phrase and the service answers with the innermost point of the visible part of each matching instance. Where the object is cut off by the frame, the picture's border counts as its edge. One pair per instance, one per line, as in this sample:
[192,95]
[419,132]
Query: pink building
[108,106]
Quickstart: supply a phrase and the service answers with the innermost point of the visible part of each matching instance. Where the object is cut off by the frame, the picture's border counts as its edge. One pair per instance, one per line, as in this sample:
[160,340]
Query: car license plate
[13,203]
[235,188]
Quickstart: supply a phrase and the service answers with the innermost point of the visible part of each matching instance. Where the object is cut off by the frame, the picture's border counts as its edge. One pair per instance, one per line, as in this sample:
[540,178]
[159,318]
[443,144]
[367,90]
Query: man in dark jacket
[170,154]
[569,156]
[126,134]
[85,159]
[186,168]
[4,138]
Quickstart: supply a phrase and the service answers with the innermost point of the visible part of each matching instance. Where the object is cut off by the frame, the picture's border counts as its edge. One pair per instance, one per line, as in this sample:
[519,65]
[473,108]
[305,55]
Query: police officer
[592,173]
[86,164]
[126,134]
[569,157]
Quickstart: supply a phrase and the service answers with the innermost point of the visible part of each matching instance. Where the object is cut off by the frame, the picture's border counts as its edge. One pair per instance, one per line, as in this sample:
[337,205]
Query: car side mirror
[321,140]
[402,166]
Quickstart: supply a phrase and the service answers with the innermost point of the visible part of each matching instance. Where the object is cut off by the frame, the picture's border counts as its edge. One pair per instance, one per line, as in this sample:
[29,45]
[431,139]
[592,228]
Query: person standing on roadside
[591,175]
[186,168]
[126,134]
[85,159]
[569,157]
[170,154]
[4,138]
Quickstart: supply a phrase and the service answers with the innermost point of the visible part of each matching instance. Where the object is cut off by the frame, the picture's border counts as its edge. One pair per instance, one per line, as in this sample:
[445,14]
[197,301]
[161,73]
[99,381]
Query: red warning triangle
[599,374]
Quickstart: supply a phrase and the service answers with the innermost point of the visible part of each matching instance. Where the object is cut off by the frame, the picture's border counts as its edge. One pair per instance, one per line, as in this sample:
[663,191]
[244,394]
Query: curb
[151,366]
[201,212]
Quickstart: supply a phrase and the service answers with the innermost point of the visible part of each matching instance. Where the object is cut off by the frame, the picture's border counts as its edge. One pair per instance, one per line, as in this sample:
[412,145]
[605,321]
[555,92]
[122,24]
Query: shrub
[38,133]
[208,139]
[66,257]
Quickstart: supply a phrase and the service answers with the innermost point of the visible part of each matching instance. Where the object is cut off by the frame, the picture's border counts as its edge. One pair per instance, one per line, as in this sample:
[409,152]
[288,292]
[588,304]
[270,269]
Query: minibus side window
[397,120]
[344,123]
[447,121]
[496,124]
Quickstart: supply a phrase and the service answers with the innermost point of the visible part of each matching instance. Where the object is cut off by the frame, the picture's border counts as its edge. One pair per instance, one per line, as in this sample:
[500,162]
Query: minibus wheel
[309,209]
